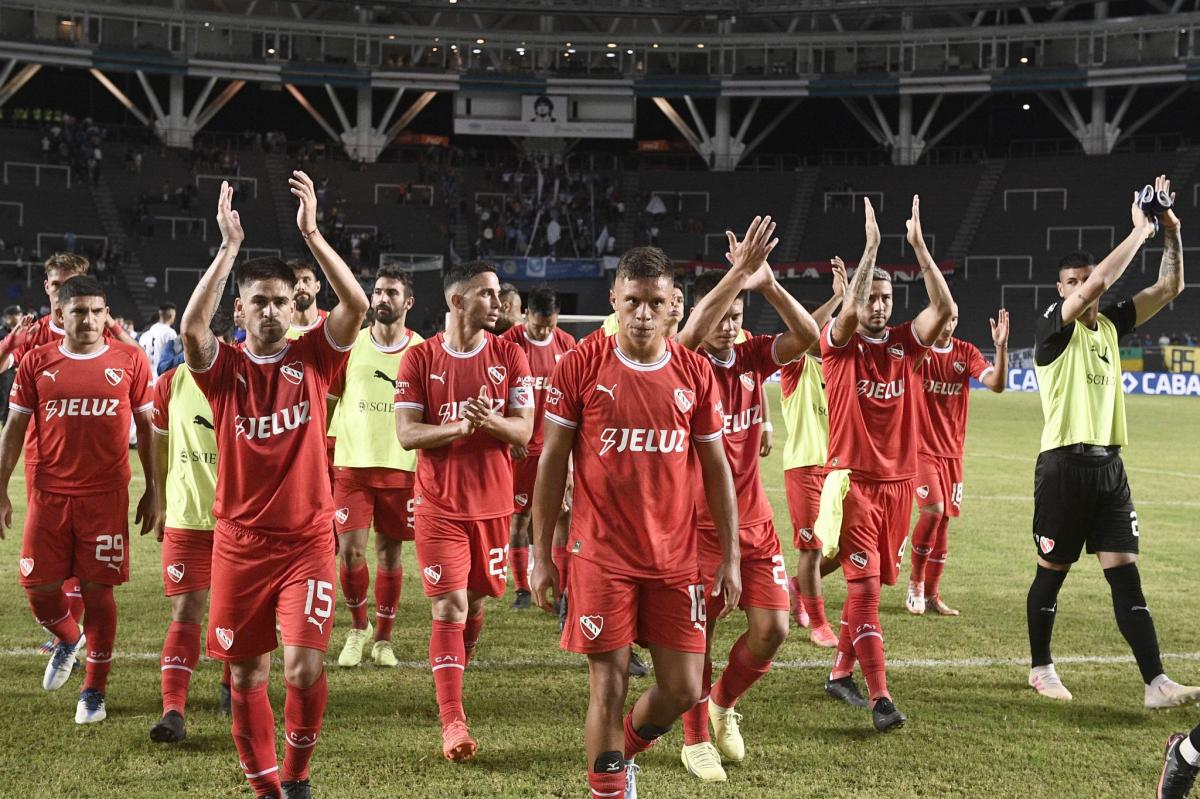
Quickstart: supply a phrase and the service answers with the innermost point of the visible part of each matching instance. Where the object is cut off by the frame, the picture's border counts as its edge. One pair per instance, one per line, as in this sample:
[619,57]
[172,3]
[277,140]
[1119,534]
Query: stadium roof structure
[892,63]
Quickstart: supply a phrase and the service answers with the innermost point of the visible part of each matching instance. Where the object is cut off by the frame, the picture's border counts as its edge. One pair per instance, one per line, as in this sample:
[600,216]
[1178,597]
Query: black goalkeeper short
[1082,500]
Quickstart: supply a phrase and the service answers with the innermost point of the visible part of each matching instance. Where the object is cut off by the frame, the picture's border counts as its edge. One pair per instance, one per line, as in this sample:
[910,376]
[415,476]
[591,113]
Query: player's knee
[450,608]
[248,674]
[303,672]
[683,694]
[935,509]
[353,554]
[189,608]
[767,637]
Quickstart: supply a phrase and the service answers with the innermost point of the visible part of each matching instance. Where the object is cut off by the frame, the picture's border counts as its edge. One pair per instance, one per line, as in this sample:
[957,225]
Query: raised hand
[916,236]
[228,221]
[304,190]
[1000,328]
[1167,218]
[761,280]
[1141,222]
[872,227]
[753,250]
[839,276]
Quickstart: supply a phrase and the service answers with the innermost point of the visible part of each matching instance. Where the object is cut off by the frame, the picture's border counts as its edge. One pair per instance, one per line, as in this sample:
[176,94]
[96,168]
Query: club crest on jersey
[293,372]
[497,374]
[748,381]
[114,376]
[225,637]
[175,572]
[685,398]
[859,559]
[1045,544]
[341,514]
[26,566]
[522,499]
[896,351]
[960,367]
[806,533]
[433,573]
[923,491]
[592,626]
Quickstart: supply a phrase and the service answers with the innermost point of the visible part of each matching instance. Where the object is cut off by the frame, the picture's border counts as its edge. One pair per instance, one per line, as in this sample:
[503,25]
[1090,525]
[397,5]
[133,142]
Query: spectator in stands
[69,239]
[159,335]
[151,283]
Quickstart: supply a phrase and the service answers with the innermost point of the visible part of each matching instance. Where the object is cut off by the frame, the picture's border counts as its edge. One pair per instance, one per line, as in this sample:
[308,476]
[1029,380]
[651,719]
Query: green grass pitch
[975,729]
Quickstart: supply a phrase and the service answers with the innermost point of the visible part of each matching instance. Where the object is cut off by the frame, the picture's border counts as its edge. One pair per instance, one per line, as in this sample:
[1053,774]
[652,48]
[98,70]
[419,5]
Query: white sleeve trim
[775,353]
[334,344]
[149,406]
[20,409]
[917,338]
[560,421]
[414,406]
[986,372]
[709,437]
[829,335]
[216,354]
[158,430]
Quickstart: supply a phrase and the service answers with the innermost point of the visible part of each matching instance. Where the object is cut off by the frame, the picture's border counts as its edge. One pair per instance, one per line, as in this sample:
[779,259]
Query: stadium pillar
[724,158]
[176,129]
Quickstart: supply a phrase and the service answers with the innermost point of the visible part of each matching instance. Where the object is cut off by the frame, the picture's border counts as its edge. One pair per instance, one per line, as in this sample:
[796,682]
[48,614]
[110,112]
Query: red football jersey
[543,357]
[269,415]
[470,478]
[946,389]
[82,406]
[635,502]
[874,409]
[739,386]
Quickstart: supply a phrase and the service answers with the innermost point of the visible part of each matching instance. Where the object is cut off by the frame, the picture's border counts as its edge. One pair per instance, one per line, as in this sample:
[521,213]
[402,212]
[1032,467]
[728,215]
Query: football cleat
[886,716]
[169,729]
[845,690]
[62,662]
[637,668]
[90,707]
[914,600]
[631,771]
[823,636]
[1178,776]
[47,646]
[297,789]
[457,743]
[1044,680]
[524,600]
[702,760]
[1168,693]
[726,732]
[352,650]
[382,655]
[941,607]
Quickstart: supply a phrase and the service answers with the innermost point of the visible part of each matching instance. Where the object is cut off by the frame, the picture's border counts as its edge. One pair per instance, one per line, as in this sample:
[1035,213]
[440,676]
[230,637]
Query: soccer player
[945,374]
[806,413]
[307,316]
[740,370]
[272,546]
[185,482]
[674,317]
[76,399]
[635,413]
[1081,494]
[873,429]
[159,335]
[544,344]
[373,475]
[463,400]
[510,309]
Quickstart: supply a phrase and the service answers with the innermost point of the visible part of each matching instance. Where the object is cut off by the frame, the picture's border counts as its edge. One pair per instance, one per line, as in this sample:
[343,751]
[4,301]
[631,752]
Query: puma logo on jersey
[497,374]
[684,398]
[200,420]
[175,572]
[52,375]
[26,566]
[1101,355]
[640,439]
[382,376]
[592,626]
[81,407]
[282,421]
[433,573]
[320,625]
[611,392]
[293,372]
[224,637]
[440,378]
[114,376]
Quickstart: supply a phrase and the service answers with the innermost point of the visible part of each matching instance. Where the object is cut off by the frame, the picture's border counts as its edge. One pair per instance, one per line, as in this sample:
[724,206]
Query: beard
[386,315]
[305,303]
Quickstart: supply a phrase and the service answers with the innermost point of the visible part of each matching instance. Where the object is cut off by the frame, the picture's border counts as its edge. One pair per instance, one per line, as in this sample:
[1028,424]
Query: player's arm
[160,456]
[823,314]
[15,341]
[514,428]
[722,505]
[11,441]
[149,512]
[120,334]
[1169,285]
[859,291]
[548,491]
[1109,270]
[997,378]
[766,440]
[934,316]
[802,330]
[745,258]
[412,433]
[346,317]
[199,343]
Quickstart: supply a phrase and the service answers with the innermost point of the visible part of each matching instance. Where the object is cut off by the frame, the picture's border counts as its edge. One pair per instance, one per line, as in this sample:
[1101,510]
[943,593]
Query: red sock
[387,599]
[862,602]
[607,786]
[634,743]
[814,606]
[447,659]
[695,720]
[518,563]
[74,597]
[254,736]
[561,558]
[471,631]
[180,653]
[355,583]
[52,611]
[923,537]
[744,669]
[226,680]
[100,627]
[843,659]
[303,712]
[937,560]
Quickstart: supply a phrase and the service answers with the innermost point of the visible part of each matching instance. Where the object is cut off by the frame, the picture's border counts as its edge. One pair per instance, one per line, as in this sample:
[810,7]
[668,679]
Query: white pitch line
[791,665]
[1033,458]
[1166,503]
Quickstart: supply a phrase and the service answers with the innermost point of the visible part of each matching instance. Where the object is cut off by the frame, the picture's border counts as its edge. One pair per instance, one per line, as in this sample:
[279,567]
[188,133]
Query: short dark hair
[81,286]
[1076,259]
[69,262]
[12,309]
[706,282]
[641,263]
[876,274]
[166,306]
[302,266]
[467,270]
[508,288]
[543,100]
[542,301]
[221,324]
[395,272]
[268,267]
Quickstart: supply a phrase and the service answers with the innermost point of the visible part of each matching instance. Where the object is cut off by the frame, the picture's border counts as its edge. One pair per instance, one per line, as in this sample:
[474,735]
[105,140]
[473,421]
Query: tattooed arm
[1169,285]
[199,343]
[859,293]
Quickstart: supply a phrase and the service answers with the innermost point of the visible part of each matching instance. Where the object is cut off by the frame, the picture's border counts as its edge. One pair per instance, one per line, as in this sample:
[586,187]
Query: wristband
[309,234]
[768,427]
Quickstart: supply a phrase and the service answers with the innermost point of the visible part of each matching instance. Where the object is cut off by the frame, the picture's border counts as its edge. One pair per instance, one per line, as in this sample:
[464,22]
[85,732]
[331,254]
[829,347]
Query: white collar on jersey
[457,354]
[887,331]
[549,339]
[85,357]
[306,328]
[393,349]
[643,367]
[267,358]
[55,328]
[728,362]
[949,347]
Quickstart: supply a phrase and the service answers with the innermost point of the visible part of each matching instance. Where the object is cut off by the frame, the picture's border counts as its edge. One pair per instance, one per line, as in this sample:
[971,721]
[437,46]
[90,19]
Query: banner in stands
[1182,359]
[550,268]
[1171,384]
[813,270]
[543,115]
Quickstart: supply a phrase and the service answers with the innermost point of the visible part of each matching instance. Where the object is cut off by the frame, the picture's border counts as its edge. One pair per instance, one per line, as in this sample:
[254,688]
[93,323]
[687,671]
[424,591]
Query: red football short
[524,475]
[764,575]
[875,528]
[186,560]
[258,578]
[67,536]
[609,610]
[939,480]
[363,495]
[803,488]
[455,554]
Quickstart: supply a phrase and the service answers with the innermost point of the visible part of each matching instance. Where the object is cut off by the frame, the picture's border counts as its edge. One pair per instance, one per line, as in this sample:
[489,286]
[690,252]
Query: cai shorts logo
[175,572]
[1045,544]
[592,626]
[522,499]
[433,573]
[225,637]
[923,492]
[342,515]
[860,559]
[806,533]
